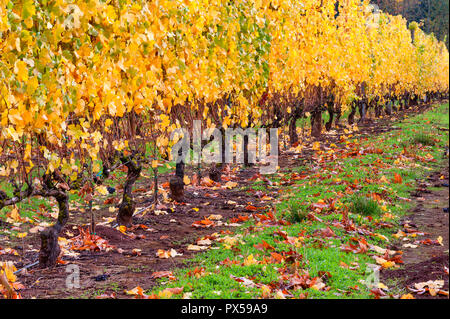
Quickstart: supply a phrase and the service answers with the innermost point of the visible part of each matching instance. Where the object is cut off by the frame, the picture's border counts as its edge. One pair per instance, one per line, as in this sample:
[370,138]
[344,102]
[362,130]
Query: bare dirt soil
[426,262]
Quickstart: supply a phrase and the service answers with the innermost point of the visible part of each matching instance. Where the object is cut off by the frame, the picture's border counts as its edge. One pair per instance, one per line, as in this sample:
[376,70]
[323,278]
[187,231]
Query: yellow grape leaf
[230,185]
[14,215]
[250,260]
[102,190]
[316,146]
[21,69]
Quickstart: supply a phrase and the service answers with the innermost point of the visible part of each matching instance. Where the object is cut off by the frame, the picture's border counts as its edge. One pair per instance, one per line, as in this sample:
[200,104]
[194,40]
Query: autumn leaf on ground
[8,251]
[167,253]
[263,246]
[383,180]
[398,179]
[230,185]
[87,241]
[206,181]
[138,293]
[169,292]
[433,287]
[316,146]
[8,283]
[204,223]
[197,247]
[360,248]
[197,272]
[239,219]
[250,260]
[163,274]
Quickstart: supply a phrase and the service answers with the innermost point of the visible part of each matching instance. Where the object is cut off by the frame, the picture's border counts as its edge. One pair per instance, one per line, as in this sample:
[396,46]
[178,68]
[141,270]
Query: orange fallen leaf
[398,178]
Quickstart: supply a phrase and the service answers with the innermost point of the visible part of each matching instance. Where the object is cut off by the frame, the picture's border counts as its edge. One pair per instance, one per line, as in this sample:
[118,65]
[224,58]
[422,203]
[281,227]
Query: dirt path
[429,260]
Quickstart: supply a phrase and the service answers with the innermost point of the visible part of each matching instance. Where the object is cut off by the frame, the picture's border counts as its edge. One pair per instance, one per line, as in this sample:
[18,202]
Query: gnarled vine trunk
[316,123]
[128,205]
[50,249]
[351,116]
[176,183]
[293,136]
[362,107]
[215,172]
[329,124]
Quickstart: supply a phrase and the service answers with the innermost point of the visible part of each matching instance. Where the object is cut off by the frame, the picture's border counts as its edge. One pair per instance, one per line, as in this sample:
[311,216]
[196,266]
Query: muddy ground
[426,262]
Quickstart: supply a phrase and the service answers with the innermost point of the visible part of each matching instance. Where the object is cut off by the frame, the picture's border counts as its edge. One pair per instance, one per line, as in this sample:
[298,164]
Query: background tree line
[433,14]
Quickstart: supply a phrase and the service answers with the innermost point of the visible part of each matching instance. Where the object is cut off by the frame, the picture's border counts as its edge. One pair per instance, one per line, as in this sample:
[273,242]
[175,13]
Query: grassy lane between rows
[329,227]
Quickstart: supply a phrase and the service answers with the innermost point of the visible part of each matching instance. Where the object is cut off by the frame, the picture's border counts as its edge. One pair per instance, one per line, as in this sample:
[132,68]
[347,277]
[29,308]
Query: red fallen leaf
[361,248]
[204,223]
[429,242]
[377,293]
[251,208]
[109,201]
[194,180]
[313,217]
[207,182]
[87,241]
[277,257]
[227,262]
[140,190]
[239,219]
[264,246]
[398,178]
[325,232]
[61,262]
[397,258]
[197,272]
[281,233]
[269,217]
[210,237]
[140,226]
[163,274]
[226,178]
[166,185]
[213,195]
[255,177]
